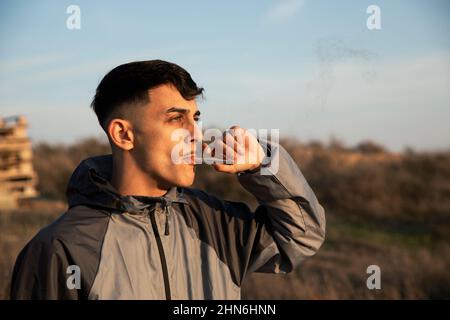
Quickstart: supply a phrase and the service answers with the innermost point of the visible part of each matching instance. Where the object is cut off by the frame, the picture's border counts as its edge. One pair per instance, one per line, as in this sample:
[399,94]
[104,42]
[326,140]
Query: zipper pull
[166,228]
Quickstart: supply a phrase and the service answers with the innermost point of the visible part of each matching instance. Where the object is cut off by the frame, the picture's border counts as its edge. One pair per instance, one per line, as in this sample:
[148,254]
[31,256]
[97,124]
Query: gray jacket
[187,244]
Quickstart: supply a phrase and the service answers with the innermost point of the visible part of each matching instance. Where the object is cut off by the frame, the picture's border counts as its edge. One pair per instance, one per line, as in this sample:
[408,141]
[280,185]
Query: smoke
[330,53]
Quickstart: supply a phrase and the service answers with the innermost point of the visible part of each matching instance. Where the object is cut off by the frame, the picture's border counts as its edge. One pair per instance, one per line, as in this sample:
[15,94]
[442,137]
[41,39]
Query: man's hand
[239,149]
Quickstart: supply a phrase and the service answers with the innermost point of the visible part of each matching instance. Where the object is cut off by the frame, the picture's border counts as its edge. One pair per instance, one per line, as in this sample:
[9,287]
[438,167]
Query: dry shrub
[383,208]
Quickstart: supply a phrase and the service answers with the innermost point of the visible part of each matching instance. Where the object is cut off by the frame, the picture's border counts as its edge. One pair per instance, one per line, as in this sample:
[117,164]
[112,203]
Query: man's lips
[190,158]
[193,159]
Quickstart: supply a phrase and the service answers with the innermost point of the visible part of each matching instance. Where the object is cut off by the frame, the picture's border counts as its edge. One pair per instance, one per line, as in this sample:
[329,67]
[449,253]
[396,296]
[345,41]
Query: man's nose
[195,132]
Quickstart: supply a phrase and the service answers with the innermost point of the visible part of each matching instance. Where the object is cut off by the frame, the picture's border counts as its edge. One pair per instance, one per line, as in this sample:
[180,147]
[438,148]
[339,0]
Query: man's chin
[185,184]
[182,177]
[186,181]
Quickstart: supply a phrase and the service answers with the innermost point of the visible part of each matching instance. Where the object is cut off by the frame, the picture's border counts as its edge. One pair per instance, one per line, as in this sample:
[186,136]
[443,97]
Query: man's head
[139,105]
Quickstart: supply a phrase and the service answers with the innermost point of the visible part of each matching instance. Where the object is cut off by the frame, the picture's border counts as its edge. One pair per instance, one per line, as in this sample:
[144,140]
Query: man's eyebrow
[182,110]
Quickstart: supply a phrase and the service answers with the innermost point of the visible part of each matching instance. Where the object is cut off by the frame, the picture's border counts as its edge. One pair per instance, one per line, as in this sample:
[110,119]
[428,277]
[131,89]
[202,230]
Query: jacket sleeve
[40,272]
[287,227]
[289,224]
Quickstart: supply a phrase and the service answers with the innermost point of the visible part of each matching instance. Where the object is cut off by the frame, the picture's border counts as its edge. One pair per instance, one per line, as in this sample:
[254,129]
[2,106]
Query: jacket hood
[89,185]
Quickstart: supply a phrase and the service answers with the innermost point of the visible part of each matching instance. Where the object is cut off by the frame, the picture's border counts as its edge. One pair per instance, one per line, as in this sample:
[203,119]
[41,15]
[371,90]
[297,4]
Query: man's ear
[120,132]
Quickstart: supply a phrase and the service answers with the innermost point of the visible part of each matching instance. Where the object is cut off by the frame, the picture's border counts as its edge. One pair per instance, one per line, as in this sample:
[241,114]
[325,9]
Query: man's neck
[128,179]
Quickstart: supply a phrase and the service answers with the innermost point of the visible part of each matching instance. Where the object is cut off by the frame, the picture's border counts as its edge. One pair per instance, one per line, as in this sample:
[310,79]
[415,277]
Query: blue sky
[309,68]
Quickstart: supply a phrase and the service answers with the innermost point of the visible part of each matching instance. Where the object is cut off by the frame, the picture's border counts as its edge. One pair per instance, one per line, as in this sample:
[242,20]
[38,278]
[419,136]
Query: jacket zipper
[166,212]
[161,254]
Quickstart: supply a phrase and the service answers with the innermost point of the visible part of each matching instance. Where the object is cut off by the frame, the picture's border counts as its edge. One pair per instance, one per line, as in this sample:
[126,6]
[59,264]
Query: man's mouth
[190,159]
[194,159]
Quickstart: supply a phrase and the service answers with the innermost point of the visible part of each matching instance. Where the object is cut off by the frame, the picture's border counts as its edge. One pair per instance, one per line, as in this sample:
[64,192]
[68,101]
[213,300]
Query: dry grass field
[383,208]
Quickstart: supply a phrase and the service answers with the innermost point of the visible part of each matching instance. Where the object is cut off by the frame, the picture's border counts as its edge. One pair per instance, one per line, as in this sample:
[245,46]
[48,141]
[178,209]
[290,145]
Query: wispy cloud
[18,64]
[283,10]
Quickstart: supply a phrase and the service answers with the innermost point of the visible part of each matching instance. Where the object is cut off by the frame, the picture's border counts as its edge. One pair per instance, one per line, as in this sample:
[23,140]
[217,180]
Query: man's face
[153,126]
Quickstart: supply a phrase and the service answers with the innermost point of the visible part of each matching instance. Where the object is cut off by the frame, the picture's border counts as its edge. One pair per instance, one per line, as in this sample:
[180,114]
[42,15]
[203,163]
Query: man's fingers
[219,153]
[231,149]
[224,168]
[235,138]
[228,153]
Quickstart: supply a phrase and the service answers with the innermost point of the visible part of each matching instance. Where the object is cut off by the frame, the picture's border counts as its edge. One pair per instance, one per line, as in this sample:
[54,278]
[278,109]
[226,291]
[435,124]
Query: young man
[134,230]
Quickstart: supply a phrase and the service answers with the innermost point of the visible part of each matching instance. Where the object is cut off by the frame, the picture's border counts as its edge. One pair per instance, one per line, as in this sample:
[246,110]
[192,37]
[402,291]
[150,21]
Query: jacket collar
[89,185]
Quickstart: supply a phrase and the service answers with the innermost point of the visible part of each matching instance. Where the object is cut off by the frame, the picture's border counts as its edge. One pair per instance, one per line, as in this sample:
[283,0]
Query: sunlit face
[153,126]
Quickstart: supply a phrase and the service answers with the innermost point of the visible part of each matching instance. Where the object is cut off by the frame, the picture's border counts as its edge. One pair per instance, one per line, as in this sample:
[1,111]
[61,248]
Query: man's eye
[176,119]
[197,119]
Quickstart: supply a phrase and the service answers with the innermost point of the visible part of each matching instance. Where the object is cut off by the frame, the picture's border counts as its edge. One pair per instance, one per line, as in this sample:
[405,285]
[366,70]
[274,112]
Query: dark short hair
[130,82]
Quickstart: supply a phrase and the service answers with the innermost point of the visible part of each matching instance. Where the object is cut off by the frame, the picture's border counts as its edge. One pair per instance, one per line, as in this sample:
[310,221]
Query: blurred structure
[18,180]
